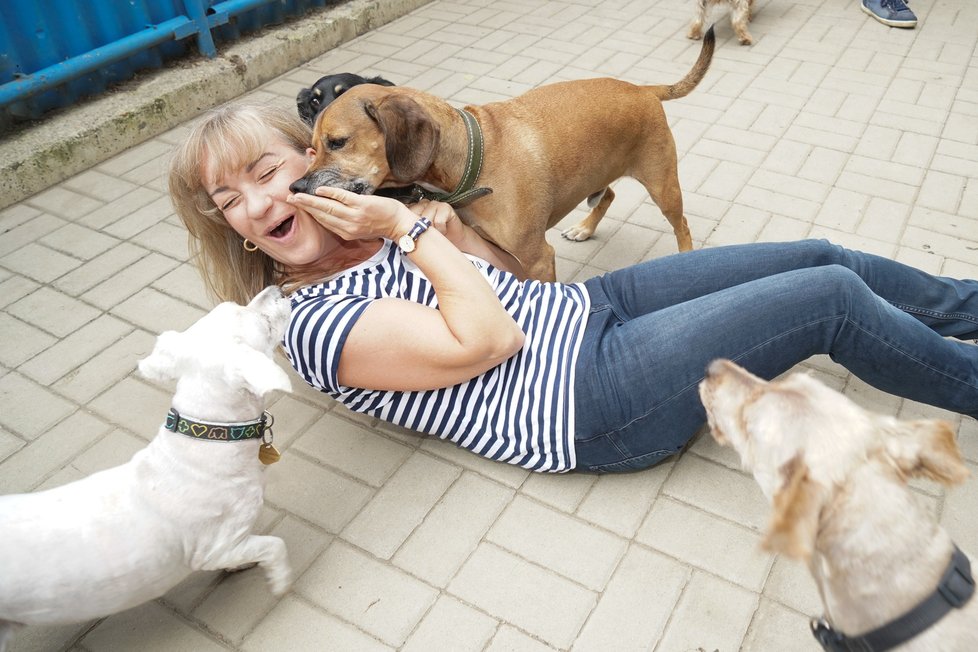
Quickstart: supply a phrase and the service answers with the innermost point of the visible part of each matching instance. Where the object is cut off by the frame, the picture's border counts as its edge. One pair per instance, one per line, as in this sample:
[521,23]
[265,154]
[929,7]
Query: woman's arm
[401,345]
[468,239]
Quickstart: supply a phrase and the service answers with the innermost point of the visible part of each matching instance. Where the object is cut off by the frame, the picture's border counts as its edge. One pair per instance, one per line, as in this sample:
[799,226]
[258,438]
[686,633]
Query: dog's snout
[272,292]
[300,185]
[716,368]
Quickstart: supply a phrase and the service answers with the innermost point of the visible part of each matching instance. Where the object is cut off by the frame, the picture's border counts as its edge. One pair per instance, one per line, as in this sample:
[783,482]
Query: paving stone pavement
[830,125]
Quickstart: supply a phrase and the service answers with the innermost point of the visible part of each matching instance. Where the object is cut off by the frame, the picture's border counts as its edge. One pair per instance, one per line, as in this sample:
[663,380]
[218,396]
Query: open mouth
[282,229]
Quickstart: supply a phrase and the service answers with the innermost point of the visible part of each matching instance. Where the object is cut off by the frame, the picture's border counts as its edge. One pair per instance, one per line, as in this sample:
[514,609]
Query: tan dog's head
[801,440]
[369,137]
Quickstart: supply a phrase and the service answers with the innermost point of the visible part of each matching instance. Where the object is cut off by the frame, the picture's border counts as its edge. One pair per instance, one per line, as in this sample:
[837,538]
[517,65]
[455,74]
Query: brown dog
[545,152]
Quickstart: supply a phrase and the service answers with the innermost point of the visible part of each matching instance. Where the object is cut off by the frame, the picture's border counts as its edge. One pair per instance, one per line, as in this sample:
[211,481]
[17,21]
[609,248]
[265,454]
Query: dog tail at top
[684,87]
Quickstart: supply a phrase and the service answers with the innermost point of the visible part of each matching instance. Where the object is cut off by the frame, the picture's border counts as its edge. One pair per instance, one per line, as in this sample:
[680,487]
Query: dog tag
[268,454]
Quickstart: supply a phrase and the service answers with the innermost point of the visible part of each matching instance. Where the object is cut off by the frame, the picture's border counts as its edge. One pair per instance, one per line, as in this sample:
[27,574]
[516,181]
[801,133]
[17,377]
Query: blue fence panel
[56,52]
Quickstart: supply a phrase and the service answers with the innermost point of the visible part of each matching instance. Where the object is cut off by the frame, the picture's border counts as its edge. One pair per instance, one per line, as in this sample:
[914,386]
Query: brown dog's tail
[685,86]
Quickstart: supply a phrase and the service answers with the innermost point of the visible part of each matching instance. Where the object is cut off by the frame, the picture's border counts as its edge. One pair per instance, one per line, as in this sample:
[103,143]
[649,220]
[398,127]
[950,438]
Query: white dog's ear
[927,448]
[163,363]
[257,371]
[797,508]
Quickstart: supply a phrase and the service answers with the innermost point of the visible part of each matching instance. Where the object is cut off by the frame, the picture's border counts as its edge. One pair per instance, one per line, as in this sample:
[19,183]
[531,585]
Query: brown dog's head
[802,441]
[370,137]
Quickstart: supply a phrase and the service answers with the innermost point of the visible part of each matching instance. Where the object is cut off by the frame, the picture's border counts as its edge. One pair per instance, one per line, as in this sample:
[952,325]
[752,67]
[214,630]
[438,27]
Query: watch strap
[419,227]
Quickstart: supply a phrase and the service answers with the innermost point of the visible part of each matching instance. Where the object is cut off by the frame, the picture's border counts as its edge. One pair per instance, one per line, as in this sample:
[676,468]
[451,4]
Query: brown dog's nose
[300,185]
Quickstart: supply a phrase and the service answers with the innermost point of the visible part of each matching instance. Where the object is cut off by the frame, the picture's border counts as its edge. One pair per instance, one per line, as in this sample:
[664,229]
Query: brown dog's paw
[577,233]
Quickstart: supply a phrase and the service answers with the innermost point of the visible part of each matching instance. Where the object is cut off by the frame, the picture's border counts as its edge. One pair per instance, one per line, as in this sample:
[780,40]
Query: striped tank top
[520,412]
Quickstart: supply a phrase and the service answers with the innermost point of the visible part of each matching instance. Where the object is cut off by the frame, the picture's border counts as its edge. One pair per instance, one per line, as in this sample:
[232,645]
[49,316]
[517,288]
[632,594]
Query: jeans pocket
[638,463]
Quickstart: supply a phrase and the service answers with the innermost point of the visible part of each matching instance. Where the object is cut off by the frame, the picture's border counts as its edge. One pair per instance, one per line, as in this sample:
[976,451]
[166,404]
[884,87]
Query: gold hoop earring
[249,246]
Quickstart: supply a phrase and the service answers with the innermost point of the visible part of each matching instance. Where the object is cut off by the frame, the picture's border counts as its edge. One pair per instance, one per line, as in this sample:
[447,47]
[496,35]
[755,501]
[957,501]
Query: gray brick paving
[831,125]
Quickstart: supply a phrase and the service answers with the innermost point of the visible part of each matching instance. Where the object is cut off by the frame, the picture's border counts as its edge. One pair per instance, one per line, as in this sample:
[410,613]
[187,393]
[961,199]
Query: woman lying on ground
[440,337]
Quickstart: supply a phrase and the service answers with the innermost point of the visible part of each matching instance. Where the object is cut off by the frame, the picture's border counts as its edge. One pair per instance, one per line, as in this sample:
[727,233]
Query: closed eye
[335,143]
[230,203]
[267,174]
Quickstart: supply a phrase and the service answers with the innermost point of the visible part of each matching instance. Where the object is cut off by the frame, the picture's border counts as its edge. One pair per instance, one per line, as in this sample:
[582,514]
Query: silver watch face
[406,243]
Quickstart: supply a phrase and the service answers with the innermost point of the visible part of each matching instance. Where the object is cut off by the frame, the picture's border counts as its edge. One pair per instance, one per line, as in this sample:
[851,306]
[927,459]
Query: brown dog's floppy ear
[797,507]
[926,448]
[410,136]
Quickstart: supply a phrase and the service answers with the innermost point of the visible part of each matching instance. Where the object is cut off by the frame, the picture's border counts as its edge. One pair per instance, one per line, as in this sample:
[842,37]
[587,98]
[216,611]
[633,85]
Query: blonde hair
[227,138]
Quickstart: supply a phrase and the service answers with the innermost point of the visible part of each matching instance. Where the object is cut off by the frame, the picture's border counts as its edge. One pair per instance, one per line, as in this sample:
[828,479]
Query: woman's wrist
[404,222]
[408,241]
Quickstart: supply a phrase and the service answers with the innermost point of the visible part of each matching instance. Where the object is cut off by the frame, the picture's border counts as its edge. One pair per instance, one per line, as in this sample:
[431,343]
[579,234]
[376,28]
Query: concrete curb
[75,139]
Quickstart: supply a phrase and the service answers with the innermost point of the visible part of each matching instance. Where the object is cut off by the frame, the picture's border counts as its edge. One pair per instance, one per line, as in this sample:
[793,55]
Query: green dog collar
[212,431]
[466,190]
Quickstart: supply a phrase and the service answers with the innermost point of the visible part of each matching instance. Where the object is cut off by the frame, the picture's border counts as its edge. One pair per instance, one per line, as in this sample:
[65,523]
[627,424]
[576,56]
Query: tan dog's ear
[928,449]
[410,136]
[797,507]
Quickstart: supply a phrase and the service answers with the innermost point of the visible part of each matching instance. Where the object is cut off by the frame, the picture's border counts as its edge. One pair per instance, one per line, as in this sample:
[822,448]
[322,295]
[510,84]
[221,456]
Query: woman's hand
[356,217]
[443,217]
[362,217]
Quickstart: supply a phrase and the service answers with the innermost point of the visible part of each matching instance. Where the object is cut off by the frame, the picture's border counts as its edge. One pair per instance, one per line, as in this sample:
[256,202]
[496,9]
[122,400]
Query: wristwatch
[407,241]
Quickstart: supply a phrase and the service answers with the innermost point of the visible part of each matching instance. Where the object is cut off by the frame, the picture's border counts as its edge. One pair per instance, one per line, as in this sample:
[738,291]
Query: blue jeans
[654,327]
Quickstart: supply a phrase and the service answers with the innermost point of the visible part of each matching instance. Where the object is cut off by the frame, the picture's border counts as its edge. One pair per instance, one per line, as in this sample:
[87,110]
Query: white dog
[836,475]
[186,502]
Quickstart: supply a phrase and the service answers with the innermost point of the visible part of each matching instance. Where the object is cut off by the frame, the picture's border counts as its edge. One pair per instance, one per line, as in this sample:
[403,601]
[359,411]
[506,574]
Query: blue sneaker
[894,13]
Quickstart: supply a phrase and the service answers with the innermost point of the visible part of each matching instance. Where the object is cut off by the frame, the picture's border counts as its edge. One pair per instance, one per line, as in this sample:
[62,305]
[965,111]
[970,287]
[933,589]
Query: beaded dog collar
[212,431]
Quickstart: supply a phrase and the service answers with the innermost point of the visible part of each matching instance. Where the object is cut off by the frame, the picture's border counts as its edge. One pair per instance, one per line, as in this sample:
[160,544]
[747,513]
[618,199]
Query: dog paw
[743,35]
[577,233]
[242,567]
[279,580]
[694,34]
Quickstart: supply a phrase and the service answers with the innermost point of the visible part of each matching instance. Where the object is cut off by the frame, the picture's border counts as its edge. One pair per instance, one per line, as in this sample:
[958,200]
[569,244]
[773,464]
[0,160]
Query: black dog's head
[310,101]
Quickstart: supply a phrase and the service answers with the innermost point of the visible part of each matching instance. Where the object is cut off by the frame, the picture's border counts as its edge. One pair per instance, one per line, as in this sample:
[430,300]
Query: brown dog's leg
[669,198]
[539,263]
[585,228]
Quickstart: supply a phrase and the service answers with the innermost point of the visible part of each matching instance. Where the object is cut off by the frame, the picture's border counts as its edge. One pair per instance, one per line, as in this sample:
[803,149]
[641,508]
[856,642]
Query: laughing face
[253,201]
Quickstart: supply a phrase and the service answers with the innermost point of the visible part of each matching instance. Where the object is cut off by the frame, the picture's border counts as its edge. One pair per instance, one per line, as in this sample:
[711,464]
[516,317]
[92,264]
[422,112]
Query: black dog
[310,101]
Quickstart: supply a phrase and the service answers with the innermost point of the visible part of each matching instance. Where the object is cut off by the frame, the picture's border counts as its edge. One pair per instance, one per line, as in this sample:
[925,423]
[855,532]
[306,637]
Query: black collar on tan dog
[955,589]
[465,191]
[212,431]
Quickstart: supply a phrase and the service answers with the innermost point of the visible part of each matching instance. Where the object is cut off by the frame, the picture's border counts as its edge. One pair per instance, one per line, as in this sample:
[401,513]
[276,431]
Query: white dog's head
[802,441]
[231,343]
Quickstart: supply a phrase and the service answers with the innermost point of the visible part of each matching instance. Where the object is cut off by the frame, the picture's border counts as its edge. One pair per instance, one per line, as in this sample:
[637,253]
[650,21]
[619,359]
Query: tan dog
[740,15]
[836,475]
[546,151]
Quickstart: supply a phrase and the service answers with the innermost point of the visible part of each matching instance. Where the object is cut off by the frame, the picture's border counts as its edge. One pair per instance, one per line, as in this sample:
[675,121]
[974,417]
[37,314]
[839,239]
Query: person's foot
[894,13]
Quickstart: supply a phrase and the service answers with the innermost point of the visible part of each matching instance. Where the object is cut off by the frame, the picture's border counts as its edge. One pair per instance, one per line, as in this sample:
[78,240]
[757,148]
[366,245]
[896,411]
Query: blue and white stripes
[520,412]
